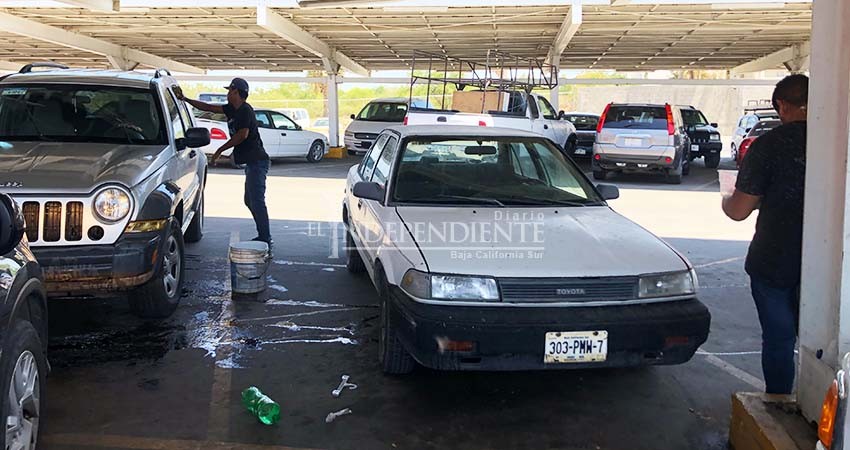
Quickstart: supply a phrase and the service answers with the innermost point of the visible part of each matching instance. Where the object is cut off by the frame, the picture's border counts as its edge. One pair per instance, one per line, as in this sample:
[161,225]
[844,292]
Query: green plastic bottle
[261,405]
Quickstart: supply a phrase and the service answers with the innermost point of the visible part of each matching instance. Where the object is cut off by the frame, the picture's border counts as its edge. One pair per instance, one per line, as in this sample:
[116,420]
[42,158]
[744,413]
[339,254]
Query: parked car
[585,125]
[634,137]
[23,361]
[834,424]
[521,111]
[106,167]
[750,118]
[502,300]
[757,130]
[372,119]
[704,136]
[281,136]
[216,99]
[299,115]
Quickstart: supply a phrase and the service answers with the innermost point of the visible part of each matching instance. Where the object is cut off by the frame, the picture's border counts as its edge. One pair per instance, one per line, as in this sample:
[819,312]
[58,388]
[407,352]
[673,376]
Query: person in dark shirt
[772,179]
[247,149]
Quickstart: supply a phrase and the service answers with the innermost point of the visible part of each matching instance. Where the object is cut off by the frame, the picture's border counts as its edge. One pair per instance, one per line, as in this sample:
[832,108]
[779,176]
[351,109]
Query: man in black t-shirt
[247,149]
[772,179]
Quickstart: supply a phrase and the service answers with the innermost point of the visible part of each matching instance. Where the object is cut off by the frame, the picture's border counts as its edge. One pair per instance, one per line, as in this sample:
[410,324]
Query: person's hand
[178,92]
[214,160]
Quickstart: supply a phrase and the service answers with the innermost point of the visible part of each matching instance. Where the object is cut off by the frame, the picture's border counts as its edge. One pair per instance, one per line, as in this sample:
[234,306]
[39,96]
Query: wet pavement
[120,382]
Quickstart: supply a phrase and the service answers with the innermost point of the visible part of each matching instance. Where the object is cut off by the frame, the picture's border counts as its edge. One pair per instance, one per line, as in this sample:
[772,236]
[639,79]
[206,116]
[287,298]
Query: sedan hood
[536,243]
[77,167]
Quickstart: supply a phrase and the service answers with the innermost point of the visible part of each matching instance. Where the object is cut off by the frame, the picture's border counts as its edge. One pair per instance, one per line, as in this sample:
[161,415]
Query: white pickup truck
[518,111]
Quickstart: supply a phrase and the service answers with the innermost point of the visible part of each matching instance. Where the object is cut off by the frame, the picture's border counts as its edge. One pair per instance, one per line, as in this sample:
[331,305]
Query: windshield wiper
[473,200]
[30,117]
[541,202]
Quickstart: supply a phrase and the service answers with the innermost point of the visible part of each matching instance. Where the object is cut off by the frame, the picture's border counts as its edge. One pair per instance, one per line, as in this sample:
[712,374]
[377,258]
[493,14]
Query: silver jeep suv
[104,166]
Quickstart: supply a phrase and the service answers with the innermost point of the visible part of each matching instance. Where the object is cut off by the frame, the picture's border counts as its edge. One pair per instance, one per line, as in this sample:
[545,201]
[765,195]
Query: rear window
[636,117]
[583,123]
[762,128]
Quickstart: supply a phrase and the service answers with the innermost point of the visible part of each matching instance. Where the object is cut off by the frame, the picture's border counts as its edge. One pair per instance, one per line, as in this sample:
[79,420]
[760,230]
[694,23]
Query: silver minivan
[641,138]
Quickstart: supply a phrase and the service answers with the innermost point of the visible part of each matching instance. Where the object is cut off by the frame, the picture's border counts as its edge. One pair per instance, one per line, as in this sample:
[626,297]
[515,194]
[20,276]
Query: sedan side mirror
[196,137]
[353,117]
[713,124]
[12,224]
[608,191]
[368,191]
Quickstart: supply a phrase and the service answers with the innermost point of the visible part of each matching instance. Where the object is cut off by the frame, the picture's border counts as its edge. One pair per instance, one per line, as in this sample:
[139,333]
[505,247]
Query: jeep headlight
[449,287]
[714,137]
[111,205]
[667,284]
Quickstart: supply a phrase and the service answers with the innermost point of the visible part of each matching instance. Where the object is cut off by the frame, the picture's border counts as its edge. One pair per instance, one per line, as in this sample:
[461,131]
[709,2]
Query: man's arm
[197,103]
[740,205]
[234,140]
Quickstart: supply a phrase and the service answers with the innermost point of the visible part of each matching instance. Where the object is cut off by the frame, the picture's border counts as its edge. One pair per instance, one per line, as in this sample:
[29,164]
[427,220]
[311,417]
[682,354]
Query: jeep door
[187,175]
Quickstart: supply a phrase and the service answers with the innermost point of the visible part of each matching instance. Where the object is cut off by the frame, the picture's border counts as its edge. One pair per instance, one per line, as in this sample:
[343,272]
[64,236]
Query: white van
[299,115]
[372,119]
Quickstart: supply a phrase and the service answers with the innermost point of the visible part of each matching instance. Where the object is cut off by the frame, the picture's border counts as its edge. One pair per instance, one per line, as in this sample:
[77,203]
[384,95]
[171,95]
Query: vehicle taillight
[826,426]
[670,129]
[482,123]
[668,160]
[218,134]
[602,119]
[404,122]
[597,156]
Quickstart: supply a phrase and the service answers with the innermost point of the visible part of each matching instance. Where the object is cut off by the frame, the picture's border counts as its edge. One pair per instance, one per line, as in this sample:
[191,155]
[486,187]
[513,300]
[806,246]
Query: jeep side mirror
[368,191]
[12,224]
[713,124]
[353,117]
[195,138]
[561,114]
[747,130]
[608,191]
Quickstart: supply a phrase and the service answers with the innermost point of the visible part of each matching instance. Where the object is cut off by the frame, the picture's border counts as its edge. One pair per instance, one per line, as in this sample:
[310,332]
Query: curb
[753,428]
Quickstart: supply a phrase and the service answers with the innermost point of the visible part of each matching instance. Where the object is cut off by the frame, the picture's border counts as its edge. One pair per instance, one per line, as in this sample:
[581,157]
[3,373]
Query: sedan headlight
[714,137]
[667,284]
[449,287]
[111,205]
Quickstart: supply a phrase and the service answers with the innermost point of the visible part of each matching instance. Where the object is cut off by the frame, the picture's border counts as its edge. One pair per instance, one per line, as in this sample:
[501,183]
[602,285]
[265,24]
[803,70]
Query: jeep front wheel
[158,298]
[196,227]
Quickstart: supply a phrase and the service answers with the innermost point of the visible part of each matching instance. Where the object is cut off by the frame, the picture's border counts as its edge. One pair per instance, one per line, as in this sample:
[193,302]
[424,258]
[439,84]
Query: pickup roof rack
[500,72]
[758,105]
[28,68]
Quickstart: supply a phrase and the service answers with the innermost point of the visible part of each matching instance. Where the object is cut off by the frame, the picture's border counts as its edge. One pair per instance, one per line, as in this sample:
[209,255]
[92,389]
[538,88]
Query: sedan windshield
[493,172]
[80,114]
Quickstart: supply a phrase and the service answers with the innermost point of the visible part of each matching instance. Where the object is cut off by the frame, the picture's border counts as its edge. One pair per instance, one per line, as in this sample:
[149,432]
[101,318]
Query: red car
[759,129]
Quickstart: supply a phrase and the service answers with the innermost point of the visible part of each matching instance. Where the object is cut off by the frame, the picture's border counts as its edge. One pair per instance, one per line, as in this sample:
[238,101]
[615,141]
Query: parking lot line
[718,263]
[82,441]
[218,424]
[735,372]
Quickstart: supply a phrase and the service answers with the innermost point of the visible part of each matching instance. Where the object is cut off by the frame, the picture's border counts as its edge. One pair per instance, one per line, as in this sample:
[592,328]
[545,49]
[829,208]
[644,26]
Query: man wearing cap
[247,149]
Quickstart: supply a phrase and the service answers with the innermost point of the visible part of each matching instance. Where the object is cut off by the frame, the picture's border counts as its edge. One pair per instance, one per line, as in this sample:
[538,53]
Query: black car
[585,133]
[705,139]
[23,328]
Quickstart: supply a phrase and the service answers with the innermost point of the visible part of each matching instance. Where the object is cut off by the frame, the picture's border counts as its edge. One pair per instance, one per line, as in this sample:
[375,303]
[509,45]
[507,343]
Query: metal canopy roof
[628,37]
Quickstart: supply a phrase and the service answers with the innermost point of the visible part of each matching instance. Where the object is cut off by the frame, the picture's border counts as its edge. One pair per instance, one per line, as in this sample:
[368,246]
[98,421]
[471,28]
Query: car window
[263,120]
[174,116]
[636,117]
[495,171]
[281,122]
[82,113]
[546,109]
[368,164]
[517,103]
[763,127]
[692,117]
[583,123]
[184,113]
[383,112]
[743,122]
[385,162]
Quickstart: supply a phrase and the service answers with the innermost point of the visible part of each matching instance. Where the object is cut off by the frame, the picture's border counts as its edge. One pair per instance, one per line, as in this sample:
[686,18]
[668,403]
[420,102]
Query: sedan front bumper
[513,338]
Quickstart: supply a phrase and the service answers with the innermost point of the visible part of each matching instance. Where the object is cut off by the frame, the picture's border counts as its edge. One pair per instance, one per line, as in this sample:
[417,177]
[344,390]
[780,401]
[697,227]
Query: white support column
[825,289]
[333,110]
[555,60]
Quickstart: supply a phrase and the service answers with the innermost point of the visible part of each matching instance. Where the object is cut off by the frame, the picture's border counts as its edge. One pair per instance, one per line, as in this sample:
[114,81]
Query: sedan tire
[394,358]
[316,152]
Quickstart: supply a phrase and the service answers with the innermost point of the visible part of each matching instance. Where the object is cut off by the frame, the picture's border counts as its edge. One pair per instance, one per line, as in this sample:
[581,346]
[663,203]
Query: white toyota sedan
[490,250]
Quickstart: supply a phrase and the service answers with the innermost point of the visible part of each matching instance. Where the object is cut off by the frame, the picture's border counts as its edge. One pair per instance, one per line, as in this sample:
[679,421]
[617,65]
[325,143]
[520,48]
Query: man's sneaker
[269,242]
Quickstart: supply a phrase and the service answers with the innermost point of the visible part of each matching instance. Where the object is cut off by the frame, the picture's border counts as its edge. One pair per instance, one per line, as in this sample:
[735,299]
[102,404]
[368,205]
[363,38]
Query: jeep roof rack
[28,68]
[158,72]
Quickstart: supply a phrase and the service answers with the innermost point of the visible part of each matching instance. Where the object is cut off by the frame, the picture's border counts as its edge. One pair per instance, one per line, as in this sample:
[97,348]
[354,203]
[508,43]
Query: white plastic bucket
[727,180]
[249,262]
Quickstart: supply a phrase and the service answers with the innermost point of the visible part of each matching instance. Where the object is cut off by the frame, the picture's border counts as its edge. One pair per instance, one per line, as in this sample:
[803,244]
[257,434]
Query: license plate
[694,148]
[575,346]
[581,151]
[632,142]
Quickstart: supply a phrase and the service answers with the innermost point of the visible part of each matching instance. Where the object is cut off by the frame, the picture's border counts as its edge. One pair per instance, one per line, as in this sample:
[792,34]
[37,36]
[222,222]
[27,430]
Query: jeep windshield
[693,118]
[72,113]
[498,172]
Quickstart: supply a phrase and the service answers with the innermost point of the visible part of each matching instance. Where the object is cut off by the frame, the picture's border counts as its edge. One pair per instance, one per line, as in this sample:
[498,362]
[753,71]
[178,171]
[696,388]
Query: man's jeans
[255,196]
[778,309]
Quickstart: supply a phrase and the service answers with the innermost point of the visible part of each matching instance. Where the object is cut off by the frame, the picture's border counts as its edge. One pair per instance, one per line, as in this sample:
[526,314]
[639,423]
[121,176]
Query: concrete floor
[119,382]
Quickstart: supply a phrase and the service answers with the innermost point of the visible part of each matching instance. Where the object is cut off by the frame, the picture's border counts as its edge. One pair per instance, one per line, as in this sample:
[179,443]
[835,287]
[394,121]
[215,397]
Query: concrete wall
[721,104]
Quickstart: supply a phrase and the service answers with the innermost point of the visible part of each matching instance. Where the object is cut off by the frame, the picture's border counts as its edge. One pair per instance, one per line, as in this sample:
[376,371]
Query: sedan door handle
[193,154]
[283,134]
[545,127]
[359,203]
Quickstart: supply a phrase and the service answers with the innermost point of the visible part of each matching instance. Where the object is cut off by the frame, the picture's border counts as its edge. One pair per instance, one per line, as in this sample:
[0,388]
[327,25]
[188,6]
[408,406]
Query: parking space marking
[82,441]
[705,185]
[284,316]
[735,372]
[283,262]
[218,424]
[720,262]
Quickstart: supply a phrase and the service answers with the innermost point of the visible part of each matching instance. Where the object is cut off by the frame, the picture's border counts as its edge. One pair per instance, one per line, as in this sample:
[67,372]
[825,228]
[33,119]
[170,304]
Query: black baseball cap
[239,84]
